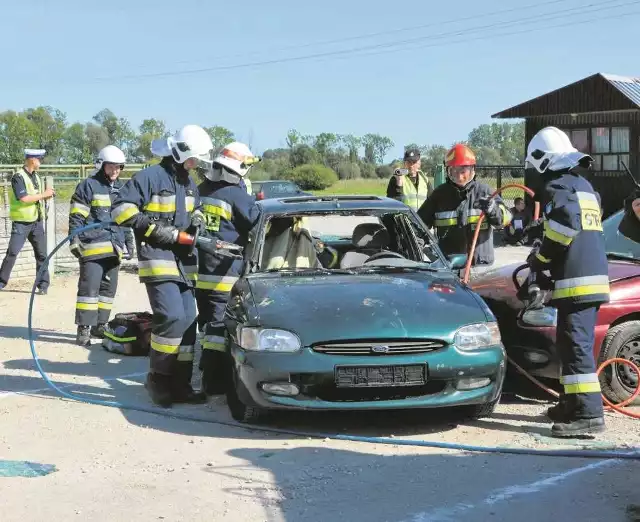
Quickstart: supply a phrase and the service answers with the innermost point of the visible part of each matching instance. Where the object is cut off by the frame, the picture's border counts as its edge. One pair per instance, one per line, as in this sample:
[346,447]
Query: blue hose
[633,454]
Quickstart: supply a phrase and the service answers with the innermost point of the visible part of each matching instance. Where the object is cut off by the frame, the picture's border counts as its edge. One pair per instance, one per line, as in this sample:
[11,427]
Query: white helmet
[192,141]
[551,149]
[237,158]
[110,154]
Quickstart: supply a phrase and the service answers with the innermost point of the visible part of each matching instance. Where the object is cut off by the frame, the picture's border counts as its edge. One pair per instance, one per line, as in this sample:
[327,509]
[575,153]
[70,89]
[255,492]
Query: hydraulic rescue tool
[209,245]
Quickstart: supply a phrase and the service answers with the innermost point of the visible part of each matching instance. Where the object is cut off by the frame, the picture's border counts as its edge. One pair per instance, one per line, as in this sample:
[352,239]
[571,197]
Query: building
[601,115]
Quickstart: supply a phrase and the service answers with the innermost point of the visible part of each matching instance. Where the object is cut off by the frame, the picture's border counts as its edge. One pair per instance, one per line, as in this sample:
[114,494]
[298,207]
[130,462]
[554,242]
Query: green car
[347,303]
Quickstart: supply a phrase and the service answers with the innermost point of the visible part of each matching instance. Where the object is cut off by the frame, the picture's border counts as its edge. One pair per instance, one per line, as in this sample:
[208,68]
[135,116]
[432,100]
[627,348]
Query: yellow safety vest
[26,212]
[414,197]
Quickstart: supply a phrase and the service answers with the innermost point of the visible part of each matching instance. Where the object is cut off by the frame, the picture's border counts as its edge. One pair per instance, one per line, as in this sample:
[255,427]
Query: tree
[324,143]
[220,136]
[76,148]
[16,133]
[376,147]
[150,129]
[432,156]
[505,139]
[304,155]
[119,131]
[50,125]
[312,177]
[353,144]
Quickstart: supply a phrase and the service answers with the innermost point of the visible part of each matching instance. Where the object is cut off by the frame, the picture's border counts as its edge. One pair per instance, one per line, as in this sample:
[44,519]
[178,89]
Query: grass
[375,187]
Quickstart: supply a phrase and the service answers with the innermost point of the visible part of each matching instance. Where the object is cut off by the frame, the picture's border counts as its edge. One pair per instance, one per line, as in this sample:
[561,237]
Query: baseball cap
[412,154]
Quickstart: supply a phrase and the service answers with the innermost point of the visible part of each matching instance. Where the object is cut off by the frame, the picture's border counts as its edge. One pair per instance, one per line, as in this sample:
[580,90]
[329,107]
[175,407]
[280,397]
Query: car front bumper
[313,375]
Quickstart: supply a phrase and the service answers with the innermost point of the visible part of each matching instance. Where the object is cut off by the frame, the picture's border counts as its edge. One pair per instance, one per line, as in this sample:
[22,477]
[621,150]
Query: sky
[261,68]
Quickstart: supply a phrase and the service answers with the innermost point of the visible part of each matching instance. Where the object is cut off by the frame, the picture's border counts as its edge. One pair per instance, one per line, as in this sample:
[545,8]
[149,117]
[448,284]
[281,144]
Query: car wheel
[240,411]
[619,381]
[480,411]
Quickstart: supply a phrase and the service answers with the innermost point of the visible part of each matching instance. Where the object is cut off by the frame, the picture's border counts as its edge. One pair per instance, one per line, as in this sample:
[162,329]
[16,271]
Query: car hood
[498,283]
[365,306]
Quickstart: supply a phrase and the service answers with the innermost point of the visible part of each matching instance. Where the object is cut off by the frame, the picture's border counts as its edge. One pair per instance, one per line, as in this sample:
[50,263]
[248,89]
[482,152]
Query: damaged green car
[347,303]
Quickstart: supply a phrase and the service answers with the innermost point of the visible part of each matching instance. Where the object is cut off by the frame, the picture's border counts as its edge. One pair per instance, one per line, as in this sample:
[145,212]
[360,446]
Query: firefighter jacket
[91,203]
[573,247]
[162,194]
[229,213]
[454,212]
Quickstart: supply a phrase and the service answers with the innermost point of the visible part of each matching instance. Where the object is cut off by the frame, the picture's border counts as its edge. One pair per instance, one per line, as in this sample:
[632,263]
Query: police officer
[99,251]
[412,187]
[27,212]
[454,209]
[159,202]
[573,251]
[230,213]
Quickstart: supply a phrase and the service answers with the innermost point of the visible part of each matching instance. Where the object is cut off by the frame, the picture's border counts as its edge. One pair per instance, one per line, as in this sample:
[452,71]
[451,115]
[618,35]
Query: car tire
[616,381]
[480,411]
[240,411]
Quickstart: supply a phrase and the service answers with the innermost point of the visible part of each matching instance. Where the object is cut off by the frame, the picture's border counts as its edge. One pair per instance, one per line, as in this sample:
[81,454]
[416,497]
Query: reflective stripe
[117,339]
[124,212]
[164,204]
[189,203]
[94,249]
[86,303]
[101,200]
[217,207]
[573,379]
[445,222]
[105,303]
[217,283]
[506,215]
[582,383]
[580,286]
[79,208]
[191,271]
[213,342]
[150,229]
[588,201]
[541,258]
[558,232]
[186,352]
[158,267]
[475,212]
[443,215]
[168,345]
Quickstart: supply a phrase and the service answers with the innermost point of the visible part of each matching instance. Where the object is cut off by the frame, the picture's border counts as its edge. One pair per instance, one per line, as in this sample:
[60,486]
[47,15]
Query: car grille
[378,347]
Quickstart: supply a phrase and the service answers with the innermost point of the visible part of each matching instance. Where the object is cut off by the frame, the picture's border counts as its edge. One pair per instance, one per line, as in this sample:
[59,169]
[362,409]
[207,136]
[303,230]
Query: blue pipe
[634,454]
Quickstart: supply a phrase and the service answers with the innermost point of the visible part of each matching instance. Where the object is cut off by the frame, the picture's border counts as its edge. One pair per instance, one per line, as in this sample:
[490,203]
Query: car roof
[268,181]
[330,204]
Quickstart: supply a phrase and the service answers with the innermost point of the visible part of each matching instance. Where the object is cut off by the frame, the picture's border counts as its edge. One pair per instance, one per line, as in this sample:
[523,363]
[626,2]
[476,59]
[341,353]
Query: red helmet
[460,155]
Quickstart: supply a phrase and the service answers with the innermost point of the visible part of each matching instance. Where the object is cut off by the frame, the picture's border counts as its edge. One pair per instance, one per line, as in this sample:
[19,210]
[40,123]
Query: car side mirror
[547,316]
[457,261]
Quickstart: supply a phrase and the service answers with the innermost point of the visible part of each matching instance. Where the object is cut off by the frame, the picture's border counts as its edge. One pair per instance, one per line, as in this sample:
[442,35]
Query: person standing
[99,250]
[28,212]
[413,186]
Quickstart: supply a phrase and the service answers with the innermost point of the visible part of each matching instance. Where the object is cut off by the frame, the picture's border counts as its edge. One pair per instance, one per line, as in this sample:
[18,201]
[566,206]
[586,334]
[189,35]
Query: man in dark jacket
[99,250]
[454,209]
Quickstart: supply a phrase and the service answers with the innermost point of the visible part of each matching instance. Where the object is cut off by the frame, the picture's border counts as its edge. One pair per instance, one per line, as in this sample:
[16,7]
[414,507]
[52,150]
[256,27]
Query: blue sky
[84,55]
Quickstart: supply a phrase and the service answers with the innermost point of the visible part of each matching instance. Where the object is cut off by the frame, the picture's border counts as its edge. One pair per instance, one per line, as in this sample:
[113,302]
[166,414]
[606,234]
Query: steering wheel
[383,254]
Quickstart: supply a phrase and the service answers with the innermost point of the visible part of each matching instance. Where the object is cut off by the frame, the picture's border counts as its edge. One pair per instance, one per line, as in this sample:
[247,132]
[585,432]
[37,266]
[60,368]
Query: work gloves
[487,204]
[197,222]
[164,235]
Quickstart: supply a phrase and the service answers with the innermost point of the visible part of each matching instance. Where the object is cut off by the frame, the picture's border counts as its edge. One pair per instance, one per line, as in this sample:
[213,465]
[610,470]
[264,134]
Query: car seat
[368,239]
[289,245]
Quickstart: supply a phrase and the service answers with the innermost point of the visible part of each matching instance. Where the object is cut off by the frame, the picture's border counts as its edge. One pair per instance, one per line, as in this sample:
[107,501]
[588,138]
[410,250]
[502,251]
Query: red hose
[465,279]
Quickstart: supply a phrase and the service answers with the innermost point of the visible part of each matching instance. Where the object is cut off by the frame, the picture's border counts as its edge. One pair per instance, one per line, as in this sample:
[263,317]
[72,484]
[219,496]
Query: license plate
[380,376]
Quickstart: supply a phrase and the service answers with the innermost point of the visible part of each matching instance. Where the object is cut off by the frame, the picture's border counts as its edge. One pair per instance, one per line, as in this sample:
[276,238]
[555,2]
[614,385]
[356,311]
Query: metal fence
[499,176]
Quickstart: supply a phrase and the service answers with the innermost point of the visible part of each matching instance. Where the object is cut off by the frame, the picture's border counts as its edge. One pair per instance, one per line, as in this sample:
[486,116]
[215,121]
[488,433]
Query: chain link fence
[499,176]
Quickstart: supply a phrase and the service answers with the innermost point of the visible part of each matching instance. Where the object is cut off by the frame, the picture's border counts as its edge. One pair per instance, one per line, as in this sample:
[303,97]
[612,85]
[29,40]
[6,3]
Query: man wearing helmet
[454,209]
[159,202]
[573,251]
[99,251]
[230,213]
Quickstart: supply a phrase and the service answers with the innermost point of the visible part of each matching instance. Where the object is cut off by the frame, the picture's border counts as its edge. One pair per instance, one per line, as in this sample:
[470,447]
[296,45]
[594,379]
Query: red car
[530,339]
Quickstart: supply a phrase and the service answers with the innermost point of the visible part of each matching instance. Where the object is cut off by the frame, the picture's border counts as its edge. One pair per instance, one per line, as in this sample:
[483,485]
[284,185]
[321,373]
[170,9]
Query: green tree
[312,177]
[119,131]
[50,127]
[17,132]
[220,136]
[76,147]
[150,129]
[507,140]
[304,155]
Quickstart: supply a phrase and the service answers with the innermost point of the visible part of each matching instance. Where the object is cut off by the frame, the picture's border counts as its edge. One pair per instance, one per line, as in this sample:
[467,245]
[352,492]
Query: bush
[368,171]
[384,171]
[312,177]
[348,170]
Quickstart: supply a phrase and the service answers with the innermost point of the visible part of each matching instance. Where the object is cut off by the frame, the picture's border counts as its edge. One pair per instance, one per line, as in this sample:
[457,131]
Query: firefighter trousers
[575,337]
[21,232]
[97,288]
[173,333]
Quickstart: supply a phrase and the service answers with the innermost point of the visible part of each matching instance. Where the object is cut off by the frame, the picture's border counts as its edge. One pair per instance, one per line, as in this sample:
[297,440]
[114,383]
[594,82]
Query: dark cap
[411,154]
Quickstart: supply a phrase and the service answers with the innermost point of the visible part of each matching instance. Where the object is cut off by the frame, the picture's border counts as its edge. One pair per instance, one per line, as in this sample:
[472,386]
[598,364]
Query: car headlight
[476,336]
[268,340]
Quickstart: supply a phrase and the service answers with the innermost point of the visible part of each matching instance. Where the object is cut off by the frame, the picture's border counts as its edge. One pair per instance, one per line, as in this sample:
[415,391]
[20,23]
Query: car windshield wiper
[309,271]
[615,255]
[380,268]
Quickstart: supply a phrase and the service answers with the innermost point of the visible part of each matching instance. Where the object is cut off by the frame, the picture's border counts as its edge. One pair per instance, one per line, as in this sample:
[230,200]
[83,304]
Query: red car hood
[498,282]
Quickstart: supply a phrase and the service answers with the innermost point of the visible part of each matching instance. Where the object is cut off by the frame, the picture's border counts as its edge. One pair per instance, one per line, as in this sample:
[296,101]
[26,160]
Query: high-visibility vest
[413,196]
[26,212]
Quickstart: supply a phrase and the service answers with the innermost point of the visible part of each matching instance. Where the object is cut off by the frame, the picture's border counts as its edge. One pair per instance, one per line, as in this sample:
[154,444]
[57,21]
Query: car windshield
[280,188]
[361,241]
[615,243]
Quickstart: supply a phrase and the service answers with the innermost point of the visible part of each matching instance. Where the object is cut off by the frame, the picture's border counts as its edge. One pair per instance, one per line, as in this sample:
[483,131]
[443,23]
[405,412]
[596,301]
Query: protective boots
[98,331]
[213,365]
[166,390]
[578,427]
[83,335]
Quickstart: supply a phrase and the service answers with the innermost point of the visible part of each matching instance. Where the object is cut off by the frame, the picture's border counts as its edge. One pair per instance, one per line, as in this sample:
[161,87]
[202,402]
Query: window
[580,139]
[609,146]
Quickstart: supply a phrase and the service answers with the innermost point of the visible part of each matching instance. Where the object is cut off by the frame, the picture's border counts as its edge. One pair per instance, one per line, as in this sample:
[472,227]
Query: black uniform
[630,224]
[573,250]
[454,211]
[98,250]
[22,231]
[156,202]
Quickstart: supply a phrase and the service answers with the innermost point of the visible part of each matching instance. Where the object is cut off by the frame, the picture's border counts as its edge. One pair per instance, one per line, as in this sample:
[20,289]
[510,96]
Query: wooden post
[50,225]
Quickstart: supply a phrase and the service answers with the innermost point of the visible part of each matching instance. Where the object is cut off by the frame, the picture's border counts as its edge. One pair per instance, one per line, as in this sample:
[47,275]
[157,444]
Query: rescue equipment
[128,334]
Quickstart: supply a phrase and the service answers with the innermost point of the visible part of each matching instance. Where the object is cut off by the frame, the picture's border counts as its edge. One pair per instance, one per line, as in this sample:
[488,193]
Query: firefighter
[159,202]
[573,251]
[412,187]
[230,213]
[27,211]
[99,251]
[454,209]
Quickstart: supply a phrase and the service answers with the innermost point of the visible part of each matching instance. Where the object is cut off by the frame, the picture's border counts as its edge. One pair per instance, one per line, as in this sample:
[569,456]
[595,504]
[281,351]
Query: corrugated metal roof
[630,87]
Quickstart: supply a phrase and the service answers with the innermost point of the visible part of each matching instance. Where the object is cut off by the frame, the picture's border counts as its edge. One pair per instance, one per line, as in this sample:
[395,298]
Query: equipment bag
[128,334]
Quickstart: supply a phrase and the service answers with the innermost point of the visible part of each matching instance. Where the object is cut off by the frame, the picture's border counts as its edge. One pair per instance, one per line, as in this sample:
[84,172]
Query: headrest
[370,235]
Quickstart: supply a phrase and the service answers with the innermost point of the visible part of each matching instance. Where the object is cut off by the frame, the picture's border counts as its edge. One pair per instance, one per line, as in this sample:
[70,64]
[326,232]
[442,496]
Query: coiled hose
[465,279]
[632,454]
